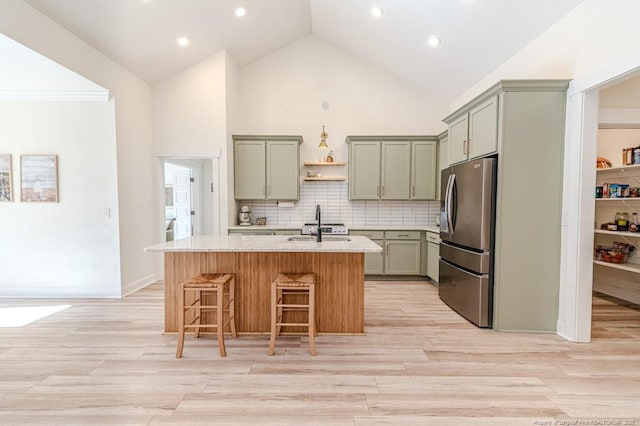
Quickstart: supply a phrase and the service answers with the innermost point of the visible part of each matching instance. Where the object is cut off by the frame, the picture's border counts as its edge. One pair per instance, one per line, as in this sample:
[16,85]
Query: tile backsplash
[333,198]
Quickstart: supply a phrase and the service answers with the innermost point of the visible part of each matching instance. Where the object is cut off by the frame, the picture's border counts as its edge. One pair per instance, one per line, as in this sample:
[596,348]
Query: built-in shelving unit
[629,267]
[619,233]
[322,164]
[325,178]
[622,174]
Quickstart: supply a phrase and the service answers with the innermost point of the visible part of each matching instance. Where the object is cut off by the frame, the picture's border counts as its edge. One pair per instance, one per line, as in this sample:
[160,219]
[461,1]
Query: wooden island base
[339,285]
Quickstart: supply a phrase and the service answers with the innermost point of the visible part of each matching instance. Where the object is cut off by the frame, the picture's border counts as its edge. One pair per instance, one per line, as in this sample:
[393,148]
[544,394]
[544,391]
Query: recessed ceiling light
[183,41]
[377,11]
[434,41]
[240,12]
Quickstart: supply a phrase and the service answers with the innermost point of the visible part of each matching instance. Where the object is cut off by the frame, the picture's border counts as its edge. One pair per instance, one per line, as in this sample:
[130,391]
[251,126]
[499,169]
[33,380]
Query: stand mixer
[244,217]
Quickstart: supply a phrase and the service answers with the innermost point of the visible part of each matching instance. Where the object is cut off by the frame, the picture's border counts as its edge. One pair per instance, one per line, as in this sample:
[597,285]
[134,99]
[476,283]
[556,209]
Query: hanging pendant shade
[323,139]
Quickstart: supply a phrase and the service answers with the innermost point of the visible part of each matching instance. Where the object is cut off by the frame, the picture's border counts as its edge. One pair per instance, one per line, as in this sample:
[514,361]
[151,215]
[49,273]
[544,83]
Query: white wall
[283,92]
[69,248]
[26,25]
[594,33]
[190,118]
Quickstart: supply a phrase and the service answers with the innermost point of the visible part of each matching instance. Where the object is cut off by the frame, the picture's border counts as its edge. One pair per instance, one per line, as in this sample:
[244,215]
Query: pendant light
[323,139]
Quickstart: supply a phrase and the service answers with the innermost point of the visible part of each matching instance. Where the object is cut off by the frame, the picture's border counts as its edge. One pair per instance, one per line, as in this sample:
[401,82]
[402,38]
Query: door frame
[581,142]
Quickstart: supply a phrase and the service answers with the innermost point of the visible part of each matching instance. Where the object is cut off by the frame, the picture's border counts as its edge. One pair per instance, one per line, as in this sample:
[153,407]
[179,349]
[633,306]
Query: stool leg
[312,320]
[181,315]
[274,302]
[232,309]
[279,312]
[219,320]
[198,312]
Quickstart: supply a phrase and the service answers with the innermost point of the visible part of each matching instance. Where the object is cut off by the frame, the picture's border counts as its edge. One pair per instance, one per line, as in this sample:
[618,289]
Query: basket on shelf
[618,253]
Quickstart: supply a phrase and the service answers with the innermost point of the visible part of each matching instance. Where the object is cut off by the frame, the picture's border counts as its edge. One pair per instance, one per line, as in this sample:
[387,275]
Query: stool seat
[207,280]
[296,286]
[217,286]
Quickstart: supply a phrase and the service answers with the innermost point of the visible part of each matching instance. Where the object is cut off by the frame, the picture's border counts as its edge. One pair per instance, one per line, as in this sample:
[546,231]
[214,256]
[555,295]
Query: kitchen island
[337,262]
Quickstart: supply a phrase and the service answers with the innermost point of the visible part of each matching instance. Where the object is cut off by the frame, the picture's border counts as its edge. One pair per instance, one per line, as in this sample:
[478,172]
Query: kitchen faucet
[319,229]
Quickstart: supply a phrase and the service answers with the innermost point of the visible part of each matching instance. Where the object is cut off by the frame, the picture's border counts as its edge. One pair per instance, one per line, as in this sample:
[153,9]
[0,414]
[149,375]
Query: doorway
[188,197]
[580,177]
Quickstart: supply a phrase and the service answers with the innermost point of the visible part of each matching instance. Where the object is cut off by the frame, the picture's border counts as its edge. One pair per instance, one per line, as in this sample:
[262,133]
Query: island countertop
[267,243]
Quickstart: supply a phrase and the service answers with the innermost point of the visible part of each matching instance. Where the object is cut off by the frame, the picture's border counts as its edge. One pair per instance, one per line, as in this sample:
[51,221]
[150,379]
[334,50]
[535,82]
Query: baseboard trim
[138,284]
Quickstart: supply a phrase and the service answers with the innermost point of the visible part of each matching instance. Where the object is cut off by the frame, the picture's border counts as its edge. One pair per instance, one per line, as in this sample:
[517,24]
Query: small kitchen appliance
[244,217]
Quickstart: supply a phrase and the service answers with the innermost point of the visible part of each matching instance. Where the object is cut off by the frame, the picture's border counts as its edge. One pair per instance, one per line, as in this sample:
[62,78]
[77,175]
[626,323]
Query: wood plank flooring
[108,362]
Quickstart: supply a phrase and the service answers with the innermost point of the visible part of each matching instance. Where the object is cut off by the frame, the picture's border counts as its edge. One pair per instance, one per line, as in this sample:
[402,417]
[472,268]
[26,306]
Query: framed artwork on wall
[39,177]
[6,193]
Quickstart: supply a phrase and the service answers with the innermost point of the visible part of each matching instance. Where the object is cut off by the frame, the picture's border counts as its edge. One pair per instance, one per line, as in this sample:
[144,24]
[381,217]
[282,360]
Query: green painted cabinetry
[266,167]
[474,133]
[392,167]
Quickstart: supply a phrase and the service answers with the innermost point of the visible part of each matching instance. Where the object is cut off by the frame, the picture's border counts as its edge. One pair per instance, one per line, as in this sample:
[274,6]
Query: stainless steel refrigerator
[467,229]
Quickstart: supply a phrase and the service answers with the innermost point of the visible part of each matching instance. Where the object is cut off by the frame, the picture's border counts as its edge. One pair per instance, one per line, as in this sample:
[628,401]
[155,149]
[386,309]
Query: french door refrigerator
[467,224]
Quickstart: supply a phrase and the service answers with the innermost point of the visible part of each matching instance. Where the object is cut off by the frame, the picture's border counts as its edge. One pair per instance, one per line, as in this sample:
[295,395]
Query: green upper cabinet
[392,167]
[364,170]
[424,173]
[250,169]
[396,167]
[266,167]
[474,133]
[458,136]
[283,170]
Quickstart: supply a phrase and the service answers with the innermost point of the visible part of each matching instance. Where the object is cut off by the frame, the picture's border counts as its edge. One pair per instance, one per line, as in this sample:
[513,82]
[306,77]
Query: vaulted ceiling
[477,35]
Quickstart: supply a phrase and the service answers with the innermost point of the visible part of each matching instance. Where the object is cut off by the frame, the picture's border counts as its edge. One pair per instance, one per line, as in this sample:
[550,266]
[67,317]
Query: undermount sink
[324,238]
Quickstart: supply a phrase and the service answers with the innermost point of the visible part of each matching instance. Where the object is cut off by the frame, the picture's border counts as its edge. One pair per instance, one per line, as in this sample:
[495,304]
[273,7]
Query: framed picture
[6,194]
[39,174]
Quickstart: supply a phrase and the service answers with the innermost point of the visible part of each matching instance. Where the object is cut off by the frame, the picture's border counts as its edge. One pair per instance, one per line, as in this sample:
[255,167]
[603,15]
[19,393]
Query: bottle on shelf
[622,220]
[634,226]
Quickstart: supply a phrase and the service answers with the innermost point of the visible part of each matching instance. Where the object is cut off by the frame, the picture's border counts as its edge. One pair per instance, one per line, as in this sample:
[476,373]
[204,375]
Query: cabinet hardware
[413,190]
[382,191]
[378,191]
[469,146]
[403,235]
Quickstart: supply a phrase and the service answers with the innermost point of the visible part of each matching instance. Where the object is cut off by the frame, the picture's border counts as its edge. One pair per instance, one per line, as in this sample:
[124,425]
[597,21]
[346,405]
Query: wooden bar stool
[218,287]
[283,288]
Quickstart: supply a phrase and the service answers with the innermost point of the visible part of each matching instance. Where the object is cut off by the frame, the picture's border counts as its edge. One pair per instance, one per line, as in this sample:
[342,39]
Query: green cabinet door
[374,262]
[443,160]
[483,128]
[364,170]
[424,172]
[282,170]
[249,170]
[402,257]
[458,134]
[396,170]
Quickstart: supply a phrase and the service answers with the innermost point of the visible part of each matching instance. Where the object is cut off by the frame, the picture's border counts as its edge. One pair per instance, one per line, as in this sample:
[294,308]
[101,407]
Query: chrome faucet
[319,229]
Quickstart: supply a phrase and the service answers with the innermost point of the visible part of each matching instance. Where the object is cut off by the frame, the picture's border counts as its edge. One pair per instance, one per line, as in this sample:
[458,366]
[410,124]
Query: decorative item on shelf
[261,221]
[312,173]
[603,163]
[330,157]
[323,139]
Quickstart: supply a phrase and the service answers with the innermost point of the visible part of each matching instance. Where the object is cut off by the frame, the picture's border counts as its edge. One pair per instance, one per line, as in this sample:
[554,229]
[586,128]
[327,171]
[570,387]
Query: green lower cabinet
[374,262]
[402,257]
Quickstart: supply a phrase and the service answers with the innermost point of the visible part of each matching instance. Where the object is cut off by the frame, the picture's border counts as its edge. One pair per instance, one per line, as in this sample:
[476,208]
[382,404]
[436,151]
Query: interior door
[182,204]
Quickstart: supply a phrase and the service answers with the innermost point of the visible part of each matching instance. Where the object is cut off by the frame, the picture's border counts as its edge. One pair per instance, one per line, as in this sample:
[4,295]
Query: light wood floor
[108,362]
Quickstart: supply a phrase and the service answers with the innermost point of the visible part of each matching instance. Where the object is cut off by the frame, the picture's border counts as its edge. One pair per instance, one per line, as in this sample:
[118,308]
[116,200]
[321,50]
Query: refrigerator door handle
[449,202]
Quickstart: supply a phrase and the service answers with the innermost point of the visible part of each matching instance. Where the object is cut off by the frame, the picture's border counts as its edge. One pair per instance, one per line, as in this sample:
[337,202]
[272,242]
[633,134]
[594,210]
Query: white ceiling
[477,35]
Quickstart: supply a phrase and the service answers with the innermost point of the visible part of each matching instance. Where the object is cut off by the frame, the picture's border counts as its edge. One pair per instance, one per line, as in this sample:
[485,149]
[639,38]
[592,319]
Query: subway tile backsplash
[333,198]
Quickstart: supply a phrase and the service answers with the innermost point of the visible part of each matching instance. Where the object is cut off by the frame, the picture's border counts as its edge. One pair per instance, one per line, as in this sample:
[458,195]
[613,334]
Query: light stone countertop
[266,243]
